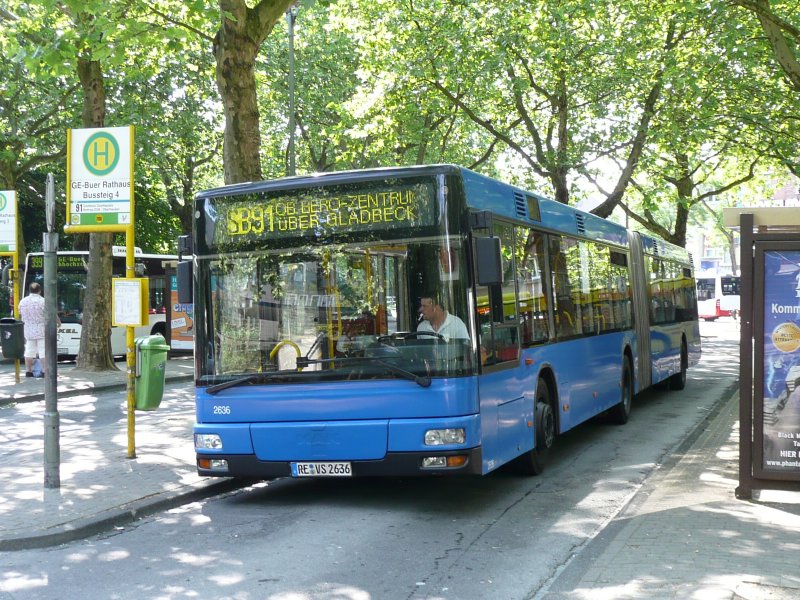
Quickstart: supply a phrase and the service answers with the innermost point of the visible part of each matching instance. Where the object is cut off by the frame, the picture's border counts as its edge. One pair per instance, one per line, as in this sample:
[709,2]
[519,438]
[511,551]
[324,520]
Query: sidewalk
[100,486]
[686,536]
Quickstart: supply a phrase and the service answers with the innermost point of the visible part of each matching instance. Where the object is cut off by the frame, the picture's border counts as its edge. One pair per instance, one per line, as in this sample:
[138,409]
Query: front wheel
[532,462]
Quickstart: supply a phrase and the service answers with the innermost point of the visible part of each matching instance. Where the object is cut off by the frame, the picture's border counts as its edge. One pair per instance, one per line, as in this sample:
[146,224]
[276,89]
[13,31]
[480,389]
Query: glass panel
[705,289]
[70,290]
[565,261]
[530,257]
[730,286]
[345,310]
[621,300]
[506,235]
[497,306]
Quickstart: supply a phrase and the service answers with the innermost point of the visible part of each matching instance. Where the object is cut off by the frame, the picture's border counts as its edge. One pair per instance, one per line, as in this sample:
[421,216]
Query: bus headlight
[207,441]
[445,437]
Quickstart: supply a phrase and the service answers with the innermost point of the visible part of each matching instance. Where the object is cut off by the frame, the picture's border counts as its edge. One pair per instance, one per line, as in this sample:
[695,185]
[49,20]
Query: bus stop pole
[52,420]
[130,342]
[17,286]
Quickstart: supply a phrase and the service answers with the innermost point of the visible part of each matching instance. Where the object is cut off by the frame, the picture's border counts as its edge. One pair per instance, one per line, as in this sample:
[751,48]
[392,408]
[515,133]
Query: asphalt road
[502,536]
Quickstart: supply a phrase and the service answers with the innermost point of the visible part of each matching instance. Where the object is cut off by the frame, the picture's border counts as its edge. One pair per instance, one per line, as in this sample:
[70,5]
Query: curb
[86,390]
[119,517]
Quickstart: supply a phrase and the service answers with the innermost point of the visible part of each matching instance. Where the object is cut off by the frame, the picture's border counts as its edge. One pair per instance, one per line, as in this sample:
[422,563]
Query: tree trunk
[236,46]
[95,349]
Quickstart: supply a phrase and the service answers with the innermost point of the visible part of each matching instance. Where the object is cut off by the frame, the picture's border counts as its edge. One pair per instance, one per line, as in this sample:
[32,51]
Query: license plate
[62,350]
[322,469]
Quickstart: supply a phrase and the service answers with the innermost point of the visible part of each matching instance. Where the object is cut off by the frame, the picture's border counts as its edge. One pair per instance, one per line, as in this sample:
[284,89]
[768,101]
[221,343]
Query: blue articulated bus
[312,360]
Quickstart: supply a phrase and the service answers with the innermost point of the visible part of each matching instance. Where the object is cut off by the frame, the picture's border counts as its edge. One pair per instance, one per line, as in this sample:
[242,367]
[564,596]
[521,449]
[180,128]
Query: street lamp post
[291,17]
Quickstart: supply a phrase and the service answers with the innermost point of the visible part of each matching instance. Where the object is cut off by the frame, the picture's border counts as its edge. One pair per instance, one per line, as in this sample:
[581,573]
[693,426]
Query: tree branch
[169,19]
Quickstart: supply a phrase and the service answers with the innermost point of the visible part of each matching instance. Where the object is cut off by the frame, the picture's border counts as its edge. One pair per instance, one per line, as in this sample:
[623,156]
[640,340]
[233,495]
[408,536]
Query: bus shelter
[769,355]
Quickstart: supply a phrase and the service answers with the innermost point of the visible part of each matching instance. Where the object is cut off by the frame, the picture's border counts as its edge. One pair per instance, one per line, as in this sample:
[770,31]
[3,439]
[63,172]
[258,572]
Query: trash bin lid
[153,342]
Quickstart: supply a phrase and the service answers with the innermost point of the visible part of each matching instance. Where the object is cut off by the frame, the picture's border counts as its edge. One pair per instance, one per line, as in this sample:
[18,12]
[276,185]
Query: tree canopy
[653,112]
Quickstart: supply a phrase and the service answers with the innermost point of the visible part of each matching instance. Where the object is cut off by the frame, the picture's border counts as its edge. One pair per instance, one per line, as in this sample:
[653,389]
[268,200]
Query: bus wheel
[678,380]
[532,462]
[621,412]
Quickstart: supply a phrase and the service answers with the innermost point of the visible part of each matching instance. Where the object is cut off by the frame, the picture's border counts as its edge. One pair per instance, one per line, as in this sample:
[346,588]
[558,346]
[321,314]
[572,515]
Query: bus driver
[438,320]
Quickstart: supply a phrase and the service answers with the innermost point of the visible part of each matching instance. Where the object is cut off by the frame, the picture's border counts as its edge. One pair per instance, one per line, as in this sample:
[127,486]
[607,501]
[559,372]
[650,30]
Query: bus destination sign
[315,212]
[65,261]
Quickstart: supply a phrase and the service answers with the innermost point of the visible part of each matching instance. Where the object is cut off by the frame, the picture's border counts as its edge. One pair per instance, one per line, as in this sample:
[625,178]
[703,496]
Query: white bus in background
[71,277]
[718,296]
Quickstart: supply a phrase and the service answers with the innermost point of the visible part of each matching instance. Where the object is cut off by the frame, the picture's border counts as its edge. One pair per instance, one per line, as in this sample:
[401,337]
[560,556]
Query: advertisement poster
[182,320]
[781,425]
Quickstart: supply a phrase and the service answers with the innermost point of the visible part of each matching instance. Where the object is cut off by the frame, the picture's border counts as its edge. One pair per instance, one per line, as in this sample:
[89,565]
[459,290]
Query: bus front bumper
[394,464]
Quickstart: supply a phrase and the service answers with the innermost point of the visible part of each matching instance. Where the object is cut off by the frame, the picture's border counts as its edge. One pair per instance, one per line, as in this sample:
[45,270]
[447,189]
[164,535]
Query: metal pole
[291,16]
[130,342]
[52,451]
[17,296]
[744,491]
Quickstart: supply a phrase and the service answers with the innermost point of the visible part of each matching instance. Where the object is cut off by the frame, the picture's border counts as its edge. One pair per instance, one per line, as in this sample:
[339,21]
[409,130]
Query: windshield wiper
[303,362]
[251,378]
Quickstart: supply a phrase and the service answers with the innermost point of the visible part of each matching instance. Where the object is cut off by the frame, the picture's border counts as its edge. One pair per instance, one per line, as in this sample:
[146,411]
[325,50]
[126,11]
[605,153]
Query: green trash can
[12,338]
[151,370]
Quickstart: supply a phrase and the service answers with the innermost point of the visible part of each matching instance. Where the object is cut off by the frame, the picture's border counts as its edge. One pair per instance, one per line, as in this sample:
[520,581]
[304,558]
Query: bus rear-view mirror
[487,261]
[184,276]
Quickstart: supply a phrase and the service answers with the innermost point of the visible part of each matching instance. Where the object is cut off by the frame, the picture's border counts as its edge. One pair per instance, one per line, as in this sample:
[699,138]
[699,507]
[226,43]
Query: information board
[8,221]
[99,179]
[129,301]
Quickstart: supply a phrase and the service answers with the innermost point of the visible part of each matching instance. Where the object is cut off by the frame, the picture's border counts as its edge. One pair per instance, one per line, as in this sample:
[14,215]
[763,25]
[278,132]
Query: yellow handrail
[282,343]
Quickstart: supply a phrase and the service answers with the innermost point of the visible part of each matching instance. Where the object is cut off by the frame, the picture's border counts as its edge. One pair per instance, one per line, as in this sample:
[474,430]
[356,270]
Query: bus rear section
[718,296]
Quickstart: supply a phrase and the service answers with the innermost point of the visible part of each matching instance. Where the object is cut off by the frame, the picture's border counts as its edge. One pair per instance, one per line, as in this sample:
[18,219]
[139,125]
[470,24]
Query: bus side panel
[506,399]
[666,348]
[119,334]
[693,341]
[588,372]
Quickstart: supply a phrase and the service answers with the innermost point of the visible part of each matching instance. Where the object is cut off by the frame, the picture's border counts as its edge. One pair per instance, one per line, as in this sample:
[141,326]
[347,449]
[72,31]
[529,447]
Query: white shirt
[452,328]
[31,311]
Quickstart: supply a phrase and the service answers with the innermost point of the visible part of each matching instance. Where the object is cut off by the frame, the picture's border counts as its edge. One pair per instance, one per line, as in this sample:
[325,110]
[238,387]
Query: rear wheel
[620,413]
[678,380]
[532,462]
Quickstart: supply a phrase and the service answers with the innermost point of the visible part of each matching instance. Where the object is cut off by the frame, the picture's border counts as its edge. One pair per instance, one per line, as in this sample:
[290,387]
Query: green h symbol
[105,152]
[101,149]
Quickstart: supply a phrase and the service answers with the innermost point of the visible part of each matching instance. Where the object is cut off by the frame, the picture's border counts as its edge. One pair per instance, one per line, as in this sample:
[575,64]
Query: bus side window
[563,254]
[497,306]
[531,284]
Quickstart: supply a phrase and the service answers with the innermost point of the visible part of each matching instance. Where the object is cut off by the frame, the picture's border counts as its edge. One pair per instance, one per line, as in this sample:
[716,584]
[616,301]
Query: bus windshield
[333,312]
[325,282]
